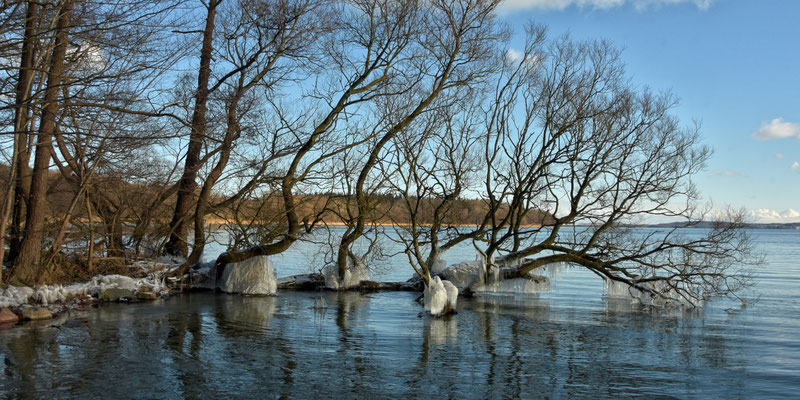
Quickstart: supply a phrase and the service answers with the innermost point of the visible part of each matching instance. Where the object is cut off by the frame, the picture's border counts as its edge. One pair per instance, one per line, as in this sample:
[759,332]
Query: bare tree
[368,40]
[433,164]
[186,188]
[455,45]
[567,132]
[23,88]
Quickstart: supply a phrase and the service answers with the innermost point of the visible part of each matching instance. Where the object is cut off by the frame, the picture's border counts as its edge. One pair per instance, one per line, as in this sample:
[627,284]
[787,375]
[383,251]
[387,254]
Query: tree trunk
[177,244]
[211,180]
[27,266]
[21,116]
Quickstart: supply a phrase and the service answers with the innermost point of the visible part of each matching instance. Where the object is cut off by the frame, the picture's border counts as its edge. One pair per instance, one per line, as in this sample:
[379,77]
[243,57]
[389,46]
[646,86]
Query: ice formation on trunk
[621,290]
[517,285]
[439,296]
[254,276]
[471,275]
[352,276]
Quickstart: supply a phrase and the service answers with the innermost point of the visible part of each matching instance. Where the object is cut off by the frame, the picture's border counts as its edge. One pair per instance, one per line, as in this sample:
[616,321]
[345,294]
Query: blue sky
[734,64]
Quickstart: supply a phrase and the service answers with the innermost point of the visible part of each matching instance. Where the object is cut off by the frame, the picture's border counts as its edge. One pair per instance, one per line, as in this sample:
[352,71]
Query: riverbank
[144,281]
[140,281]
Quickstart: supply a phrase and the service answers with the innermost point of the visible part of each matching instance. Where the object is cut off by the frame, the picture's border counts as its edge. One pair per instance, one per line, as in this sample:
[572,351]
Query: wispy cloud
[727,172]
[767,215]
[598,4]
[796,166]
[779,156]
[777,129]
[513,56]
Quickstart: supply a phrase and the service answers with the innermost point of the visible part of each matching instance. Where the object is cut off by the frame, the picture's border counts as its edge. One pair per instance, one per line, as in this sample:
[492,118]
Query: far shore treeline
[132,129]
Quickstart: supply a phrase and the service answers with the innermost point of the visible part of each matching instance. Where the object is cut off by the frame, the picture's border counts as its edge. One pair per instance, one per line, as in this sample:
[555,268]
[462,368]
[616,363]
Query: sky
[734,65]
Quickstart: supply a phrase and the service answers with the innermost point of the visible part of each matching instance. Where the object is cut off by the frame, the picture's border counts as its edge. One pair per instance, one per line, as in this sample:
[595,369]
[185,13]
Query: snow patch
[254,276]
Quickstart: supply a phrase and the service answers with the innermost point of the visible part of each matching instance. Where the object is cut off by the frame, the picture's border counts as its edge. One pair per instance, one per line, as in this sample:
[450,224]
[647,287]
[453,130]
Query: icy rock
[621,290]
[438,266]
[203,276]
[49,294]
[252,276]
[35,313]
[302,281]
[7,316]
[146,293]
[463,275]
[439,296]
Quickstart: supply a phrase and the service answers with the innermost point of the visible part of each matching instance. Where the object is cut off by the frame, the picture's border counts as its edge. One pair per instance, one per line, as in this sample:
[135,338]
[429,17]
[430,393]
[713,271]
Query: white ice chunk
[252,276]
[352,276]
[621,290]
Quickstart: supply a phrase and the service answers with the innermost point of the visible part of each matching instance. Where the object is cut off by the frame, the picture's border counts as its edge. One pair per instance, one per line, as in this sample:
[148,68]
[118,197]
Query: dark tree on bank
[177,244]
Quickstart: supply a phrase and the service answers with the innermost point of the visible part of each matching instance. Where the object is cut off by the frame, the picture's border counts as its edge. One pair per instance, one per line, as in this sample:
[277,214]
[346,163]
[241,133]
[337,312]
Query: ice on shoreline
[15,296]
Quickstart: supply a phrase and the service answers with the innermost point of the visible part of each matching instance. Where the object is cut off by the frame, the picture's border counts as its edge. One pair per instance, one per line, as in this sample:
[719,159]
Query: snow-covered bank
[58,298]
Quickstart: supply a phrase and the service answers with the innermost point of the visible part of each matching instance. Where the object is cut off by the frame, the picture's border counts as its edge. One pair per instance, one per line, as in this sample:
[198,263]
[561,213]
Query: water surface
[568,343]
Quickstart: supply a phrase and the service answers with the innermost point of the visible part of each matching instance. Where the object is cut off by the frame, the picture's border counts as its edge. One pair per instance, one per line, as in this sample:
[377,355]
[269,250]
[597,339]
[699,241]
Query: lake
[571,342]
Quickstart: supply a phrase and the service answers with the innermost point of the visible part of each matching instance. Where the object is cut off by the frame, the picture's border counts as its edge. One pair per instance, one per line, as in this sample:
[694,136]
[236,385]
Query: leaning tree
[567,132]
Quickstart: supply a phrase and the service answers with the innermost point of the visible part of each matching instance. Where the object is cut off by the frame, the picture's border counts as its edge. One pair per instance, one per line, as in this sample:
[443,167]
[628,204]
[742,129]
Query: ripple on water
[568,343]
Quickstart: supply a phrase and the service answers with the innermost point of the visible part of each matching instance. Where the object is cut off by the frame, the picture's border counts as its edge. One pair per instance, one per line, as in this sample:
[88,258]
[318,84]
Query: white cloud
[513,56]
[597,4]
[796,166]
[779,156]
[767,215]
[777,129]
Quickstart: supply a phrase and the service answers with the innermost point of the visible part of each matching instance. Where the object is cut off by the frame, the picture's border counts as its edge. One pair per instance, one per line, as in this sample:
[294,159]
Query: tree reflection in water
[373,346]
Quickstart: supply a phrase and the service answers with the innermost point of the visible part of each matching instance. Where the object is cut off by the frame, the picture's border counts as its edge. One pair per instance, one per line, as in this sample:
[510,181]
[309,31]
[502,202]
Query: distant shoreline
[709,224]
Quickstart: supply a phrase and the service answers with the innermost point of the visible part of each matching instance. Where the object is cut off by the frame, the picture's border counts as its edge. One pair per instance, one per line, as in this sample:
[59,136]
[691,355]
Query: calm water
[568,343]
